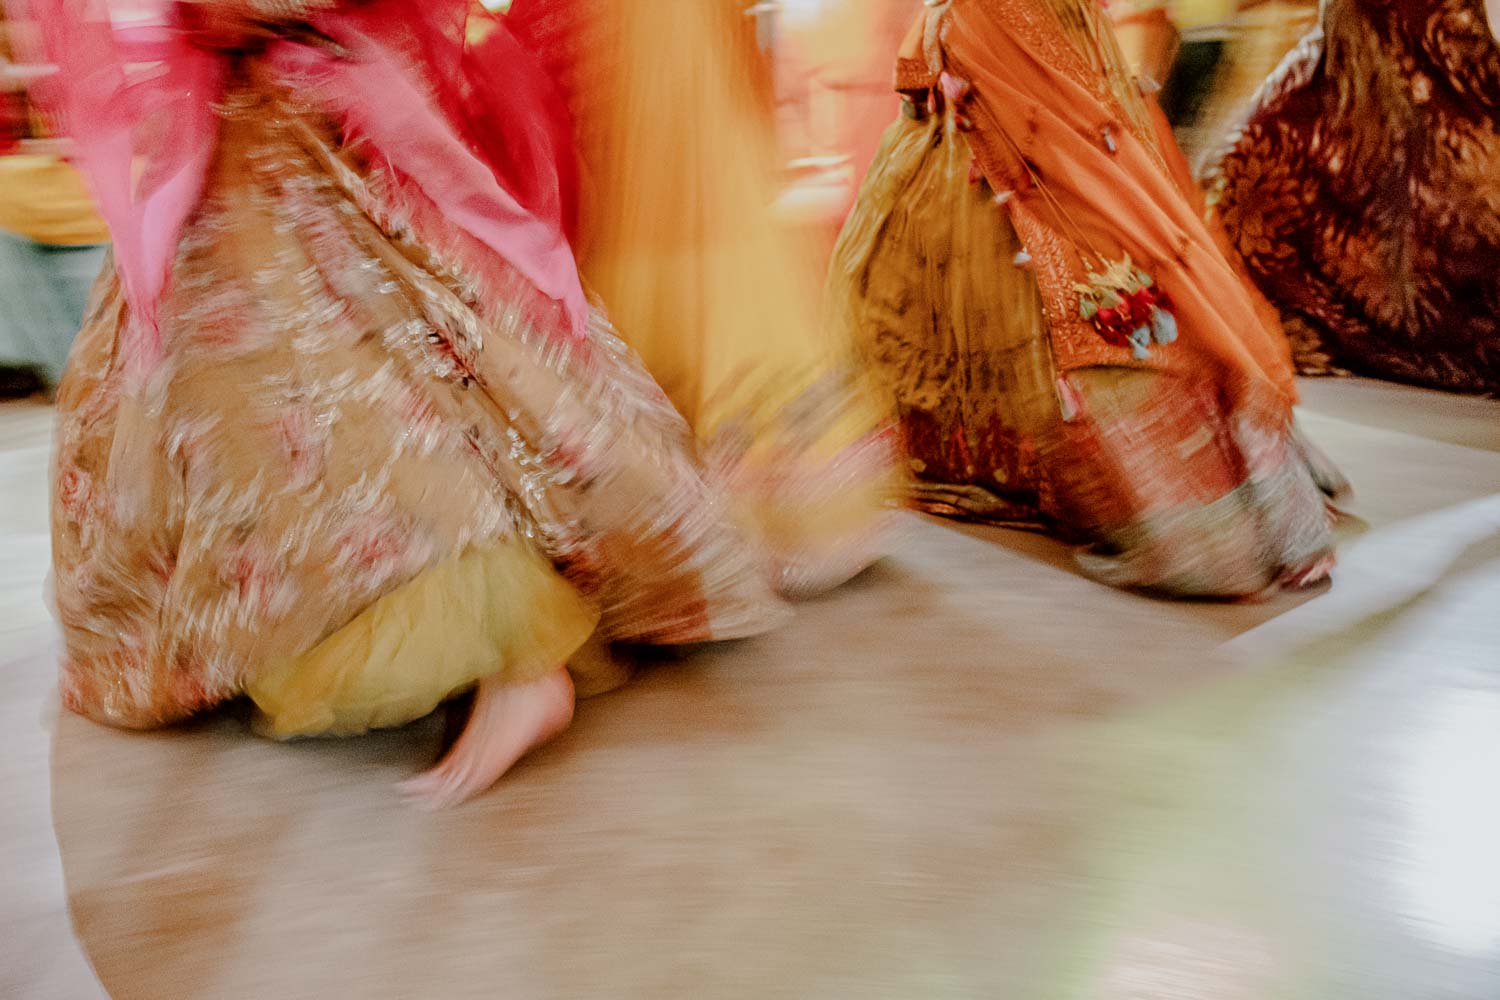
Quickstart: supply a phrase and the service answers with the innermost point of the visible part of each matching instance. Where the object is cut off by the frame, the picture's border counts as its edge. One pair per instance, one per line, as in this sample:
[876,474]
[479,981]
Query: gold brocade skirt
[372,466]
[930,285]
[956,337]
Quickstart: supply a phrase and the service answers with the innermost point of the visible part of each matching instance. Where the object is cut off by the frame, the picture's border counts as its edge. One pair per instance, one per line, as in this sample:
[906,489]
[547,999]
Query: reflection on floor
[971,774]
[38,955]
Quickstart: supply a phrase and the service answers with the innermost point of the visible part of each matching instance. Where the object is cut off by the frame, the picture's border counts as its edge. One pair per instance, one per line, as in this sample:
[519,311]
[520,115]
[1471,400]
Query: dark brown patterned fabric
[1364,193]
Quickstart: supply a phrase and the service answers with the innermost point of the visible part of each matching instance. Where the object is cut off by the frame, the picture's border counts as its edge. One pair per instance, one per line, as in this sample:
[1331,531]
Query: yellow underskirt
[497,609]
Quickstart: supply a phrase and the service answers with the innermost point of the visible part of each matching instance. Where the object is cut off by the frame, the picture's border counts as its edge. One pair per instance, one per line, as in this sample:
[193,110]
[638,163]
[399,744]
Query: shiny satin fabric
[1363,191]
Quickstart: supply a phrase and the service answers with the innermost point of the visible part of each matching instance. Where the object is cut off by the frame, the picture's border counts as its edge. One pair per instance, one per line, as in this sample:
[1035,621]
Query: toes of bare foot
[506,721]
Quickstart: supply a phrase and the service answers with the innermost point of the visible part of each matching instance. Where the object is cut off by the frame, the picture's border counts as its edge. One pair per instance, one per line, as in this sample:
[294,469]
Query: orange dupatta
[1078,155]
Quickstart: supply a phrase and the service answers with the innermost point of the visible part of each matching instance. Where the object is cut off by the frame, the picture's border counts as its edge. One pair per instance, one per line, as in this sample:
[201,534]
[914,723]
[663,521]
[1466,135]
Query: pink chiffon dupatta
[136,95]
[380,103]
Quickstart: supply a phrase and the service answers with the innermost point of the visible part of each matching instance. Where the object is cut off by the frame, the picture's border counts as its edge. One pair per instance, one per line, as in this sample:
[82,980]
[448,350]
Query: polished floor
[969,774]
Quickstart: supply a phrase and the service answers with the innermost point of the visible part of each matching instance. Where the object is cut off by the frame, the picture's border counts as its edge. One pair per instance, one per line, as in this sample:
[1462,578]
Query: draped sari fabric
[1115,190]
[1026,160]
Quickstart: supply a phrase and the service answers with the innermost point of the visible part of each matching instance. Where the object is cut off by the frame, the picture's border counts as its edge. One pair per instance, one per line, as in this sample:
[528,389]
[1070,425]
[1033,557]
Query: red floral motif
[249,573]
[569,452]
[302,440]
[961,455]
[162,564]
[221,323]
[374,547]
[74,689]
[583,565]
[75,493]
[418,414]
[186,689]
[455,365]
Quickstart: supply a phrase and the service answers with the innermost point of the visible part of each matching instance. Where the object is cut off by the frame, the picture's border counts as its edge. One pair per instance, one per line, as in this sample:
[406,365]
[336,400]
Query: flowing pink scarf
[136,95]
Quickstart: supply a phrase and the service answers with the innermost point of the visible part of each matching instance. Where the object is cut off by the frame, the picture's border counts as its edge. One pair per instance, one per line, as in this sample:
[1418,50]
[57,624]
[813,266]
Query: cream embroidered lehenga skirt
[1025,158]
[371,467]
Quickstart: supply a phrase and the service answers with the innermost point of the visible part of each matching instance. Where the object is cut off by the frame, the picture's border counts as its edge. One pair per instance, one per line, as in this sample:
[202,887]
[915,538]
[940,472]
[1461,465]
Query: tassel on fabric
[1140,343]
[1163,326]
[1069,400]
[1126,308]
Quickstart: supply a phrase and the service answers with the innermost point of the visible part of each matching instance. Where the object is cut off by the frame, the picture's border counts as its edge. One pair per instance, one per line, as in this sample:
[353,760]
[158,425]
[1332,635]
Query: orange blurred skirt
[710,289]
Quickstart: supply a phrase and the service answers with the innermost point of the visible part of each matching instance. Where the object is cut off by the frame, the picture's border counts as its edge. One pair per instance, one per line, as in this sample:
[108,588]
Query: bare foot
[1314,572]
[507,720]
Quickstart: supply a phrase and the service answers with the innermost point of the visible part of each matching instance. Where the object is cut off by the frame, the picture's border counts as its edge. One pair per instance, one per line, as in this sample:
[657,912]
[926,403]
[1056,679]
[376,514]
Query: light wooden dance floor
[970,774]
